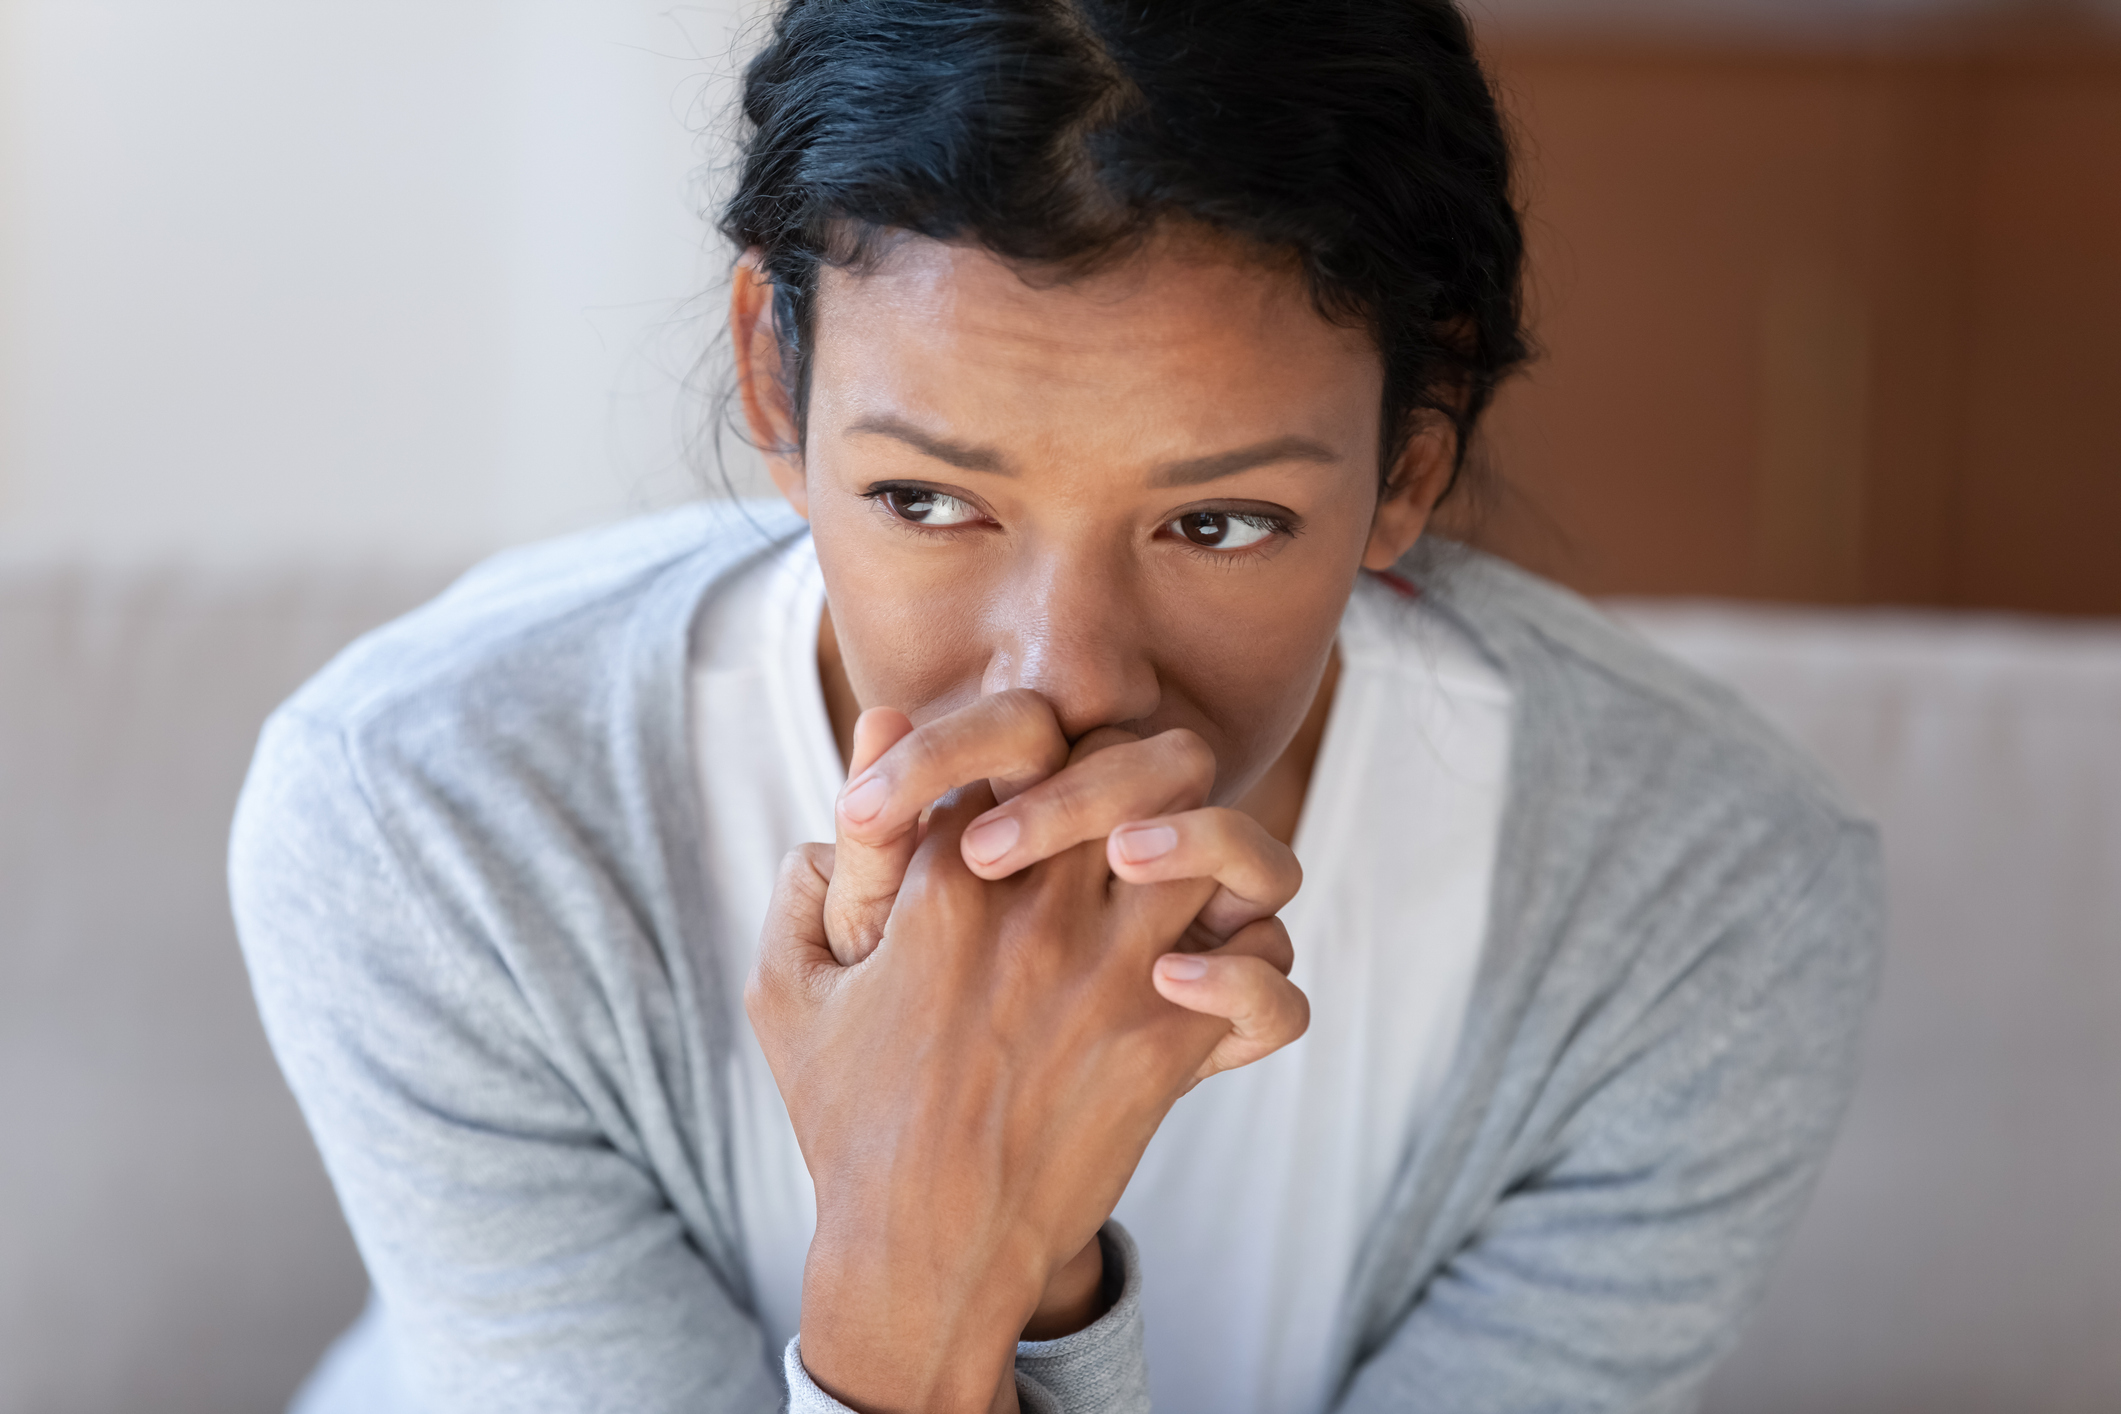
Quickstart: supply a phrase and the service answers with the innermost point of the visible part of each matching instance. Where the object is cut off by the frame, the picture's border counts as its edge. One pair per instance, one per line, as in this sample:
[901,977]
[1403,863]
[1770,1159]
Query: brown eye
[925,507]
[1219,530]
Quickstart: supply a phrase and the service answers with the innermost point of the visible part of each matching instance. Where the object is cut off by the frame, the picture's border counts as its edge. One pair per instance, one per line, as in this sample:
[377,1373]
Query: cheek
[908,629]
[1242,671]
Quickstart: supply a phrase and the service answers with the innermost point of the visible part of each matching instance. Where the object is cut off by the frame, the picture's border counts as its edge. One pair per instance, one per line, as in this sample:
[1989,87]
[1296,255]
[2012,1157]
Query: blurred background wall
[400,279]
[1831,303]
[1826,288]
[305,306]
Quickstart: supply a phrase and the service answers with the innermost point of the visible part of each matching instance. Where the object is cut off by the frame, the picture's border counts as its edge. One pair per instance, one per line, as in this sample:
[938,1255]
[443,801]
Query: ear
[1417,482]
[768,411]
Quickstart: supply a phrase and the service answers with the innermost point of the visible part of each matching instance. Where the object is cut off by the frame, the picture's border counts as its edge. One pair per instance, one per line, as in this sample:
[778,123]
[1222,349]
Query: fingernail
[861,802]
[1182,969]
[989,840]
[1142,845]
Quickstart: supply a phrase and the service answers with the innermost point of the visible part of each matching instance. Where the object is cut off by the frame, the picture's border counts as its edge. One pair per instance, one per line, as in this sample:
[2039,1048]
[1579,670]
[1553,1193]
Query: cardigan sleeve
[520,1260]
[1614,1276]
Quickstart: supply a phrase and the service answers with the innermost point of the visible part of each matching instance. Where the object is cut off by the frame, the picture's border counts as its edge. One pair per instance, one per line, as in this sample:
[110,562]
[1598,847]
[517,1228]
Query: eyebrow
[1190,472]
[957,454]
[1195,470]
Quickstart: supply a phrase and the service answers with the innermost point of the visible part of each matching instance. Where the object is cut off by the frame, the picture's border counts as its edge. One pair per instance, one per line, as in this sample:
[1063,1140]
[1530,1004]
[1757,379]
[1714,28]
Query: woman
[1111,361]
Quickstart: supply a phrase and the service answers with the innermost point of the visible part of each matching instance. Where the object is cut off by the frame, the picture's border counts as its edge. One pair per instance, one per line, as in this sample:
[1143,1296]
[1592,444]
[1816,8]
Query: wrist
[1074,1298]
[882,1336]
[891,1377]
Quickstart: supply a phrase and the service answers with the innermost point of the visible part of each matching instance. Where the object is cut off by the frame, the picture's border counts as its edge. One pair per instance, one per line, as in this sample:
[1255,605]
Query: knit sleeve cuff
[1101,1369]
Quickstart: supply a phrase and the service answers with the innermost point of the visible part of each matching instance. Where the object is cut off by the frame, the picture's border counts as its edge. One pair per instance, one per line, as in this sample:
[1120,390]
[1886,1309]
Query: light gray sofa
[168,1241]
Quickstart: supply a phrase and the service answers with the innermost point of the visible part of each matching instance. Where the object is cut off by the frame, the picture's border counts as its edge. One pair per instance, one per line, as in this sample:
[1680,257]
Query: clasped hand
[978,1016]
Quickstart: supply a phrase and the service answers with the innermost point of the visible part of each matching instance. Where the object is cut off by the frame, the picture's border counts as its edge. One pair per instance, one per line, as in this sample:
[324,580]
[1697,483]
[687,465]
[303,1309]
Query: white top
[1251,1204]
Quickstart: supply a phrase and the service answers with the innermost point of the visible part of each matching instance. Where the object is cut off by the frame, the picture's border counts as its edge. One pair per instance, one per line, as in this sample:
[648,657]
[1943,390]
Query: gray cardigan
[461,871]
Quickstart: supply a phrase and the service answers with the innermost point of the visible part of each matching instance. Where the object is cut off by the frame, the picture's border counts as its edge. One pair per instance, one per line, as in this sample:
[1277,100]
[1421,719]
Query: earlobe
[768,414]
[1410,497]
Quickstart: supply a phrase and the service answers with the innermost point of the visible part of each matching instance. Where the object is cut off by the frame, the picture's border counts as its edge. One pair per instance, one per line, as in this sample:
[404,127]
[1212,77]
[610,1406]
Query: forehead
[1190,335]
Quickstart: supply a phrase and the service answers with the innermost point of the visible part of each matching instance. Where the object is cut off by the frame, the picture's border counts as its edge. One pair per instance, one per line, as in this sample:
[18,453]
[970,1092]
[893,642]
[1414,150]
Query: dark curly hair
[1358,136]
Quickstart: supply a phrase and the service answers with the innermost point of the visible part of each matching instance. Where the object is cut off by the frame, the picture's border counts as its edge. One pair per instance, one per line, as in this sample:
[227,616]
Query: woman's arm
[525,1252]
[522,1260]
[974,1064]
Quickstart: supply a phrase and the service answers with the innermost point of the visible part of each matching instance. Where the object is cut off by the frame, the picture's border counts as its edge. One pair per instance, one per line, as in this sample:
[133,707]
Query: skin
[979,1016]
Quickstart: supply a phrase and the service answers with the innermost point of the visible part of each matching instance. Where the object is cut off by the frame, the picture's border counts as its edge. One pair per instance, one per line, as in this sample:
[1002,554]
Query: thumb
[865,878]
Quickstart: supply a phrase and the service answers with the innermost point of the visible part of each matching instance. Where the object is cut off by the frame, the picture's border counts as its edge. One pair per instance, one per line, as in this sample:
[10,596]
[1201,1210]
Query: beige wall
[1834,327]
[351,279]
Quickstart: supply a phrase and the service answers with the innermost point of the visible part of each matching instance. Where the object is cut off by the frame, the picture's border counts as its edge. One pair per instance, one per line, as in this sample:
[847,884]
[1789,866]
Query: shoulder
[1683,944]
[465,878]
[1658,816]
[515,748]
[512,626]
[550,661]
[1615,686]
[1601,690]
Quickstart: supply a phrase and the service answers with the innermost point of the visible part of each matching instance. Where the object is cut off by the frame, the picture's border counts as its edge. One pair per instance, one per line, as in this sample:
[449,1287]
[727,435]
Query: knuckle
[1281,954]
[1255,993]
[804,873]
[764,991]
[1288,1011]
[919,755]
[1299,1012]
[1270,867]
[1192,754]
[1270,943]
[1225,829]
[1066,801]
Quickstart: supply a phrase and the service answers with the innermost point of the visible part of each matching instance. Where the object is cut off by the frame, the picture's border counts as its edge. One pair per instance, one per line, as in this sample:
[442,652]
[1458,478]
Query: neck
[1276,801]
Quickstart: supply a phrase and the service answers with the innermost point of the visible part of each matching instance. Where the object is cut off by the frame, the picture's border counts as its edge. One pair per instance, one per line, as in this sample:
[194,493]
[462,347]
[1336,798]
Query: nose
[1070,625]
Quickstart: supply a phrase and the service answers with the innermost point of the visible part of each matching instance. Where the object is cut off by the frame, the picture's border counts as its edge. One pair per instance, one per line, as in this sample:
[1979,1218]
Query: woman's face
[1144,494]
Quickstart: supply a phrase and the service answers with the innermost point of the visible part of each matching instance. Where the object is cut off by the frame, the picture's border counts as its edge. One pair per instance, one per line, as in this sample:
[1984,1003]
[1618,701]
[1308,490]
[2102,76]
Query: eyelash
[879,495]
[1278,526]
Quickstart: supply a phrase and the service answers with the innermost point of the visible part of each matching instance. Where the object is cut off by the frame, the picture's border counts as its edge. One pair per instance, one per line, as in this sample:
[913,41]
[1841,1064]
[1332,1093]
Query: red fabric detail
[1399,584]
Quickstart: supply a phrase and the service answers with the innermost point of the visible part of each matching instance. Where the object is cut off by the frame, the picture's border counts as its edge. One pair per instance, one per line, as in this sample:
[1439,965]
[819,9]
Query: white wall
[282,279]
[287,280]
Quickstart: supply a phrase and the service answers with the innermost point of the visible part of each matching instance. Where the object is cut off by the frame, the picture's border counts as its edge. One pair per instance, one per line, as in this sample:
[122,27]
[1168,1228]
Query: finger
[1266,1011]
[1264,938]
[1122,779]
[1097,739]
[875,732]
[1257,873]
[938,889]
[866,875]
[794,960]
[1158,918]
[1011,739]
